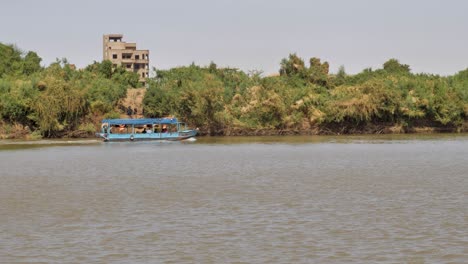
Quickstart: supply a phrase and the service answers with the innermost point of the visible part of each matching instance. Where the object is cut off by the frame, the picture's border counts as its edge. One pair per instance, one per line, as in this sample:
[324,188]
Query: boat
[145,129]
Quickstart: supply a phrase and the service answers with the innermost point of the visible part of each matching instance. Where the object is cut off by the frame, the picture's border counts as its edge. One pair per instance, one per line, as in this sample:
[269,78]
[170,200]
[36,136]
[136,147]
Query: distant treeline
[307,99]
[59,100]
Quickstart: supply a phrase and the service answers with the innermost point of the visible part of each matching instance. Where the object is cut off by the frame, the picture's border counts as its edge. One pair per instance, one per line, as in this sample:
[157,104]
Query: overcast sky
[429,35]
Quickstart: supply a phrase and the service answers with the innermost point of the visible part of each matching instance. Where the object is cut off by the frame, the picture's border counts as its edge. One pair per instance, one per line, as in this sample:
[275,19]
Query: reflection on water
[386,199]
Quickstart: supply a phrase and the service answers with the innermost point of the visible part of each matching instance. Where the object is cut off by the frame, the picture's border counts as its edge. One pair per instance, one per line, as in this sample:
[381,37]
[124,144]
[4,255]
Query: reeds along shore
[303,98]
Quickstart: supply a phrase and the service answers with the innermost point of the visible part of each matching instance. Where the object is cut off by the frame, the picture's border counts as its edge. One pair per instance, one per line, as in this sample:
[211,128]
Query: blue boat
[144,129]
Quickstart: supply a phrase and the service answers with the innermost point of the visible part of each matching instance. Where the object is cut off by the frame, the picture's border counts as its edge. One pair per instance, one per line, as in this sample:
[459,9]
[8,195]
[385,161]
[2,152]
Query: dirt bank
[15,131]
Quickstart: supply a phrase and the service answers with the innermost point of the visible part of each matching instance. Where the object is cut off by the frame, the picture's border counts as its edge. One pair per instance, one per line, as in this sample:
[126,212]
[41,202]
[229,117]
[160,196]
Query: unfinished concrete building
[126,54]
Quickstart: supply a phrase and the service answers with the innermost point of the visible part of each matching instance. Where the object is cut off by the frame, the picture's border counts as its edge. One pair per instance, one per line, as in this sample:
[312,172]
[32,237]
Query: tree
[10,59]
[105,68]
[213,67]
[31,63]
[318,72]
[121,75]
[293,65]
[340,77]
[393,66]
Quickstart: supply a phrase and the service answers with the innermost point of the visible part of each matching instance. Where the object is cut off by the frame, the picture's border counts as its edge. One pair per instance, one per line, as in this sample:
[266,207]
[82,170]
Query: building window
[143,74]
[137,57]
[114,56]
[128,66]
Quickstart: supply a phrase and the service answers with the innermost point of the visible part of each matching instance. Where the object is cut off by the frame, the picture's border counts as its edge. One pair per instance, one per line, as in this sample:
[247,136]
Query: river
[355,199]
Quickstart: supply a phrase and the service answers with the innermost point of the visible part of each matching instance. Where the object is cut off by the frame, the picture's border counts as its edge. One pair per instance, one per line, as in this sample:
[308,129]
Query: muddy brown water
[388,199]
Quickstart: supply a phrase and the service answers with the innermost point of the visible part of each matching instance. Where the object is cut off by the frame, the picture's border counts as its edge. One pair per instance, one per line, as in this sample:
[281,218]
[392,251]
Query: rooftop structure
[126,54]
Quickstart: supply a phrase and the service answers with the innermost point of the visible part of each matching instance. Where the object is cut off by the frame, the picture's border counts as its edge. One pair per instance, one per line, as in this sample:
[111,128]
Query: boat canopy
[141,121]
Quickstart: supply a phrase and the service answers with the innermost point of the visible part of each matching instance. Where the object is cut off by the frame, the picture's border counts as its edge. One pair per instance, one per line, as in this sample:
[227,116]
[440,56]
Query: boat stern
[187,134]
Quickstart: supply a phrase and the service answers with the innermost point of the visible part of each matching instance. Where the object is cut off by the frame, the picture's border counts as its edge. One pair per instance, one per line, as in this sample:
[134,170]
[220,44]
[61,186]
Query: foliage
[302,97]
[395,67]
[57,99]
[14,62]
[194,94]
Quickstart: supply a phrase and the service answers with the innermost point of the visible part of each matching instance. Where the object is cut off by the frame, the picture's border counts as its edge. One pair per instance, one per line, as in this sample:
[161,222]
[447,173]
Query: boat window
[172,128]
[140,130]
[121,129]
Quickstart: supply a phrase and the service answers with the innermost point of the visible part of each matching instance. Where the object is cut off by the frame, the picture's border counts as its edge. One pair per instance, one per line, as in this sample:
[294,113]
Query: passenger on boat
[148,129]
[104,127]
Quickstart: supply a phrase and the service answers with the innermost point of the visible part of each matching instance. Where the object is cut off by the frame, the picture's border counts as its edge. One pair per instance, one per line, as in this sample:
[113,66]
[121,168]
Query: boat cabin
[144,129]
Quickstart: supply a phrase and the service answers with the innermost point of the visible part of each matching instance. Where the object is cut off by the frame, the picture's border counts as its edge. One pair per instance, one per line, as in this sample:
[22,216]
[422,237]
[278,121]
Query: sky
[429,35]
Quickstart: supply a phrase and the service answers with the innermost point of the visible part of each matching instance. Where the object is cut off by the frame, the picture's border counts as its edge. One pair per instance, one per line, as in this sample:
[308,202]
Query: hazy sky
[429,35]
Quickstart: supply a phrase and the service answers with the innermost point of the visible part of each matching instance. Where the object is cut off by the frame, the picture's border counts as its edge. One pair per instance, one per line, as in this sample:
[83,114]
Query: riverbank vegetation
[303,98]
[57,100]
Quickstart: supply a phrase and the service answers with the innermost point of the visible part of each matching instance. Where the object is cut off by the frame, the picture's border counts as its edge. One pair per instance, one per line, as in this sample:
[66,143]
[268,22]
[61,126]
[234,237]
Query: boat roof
[140,121]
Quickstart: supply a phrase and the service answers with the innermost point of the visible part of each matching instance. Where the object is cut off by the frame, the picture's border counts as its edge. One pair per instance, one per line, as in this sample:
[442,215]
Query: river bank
[18,131]
[60,101]
[347,130]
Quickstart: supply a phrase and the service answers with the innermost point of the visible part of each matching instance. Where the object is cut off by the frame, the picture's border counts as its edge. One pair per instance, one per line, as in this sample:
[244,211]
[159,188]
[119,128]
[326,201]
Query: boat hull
[174,136]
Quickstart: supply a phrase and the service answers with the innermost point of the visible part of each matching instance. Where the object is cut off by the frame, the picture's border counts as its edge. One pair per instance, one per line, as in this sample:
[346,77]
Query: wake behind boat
[144,129]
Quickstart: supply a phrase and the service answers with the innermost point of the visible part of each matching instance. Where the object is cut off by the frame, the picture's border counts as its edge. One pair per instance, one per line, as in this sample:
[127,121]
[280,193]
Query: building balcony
[141,61]
[134,61]
[130,46]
